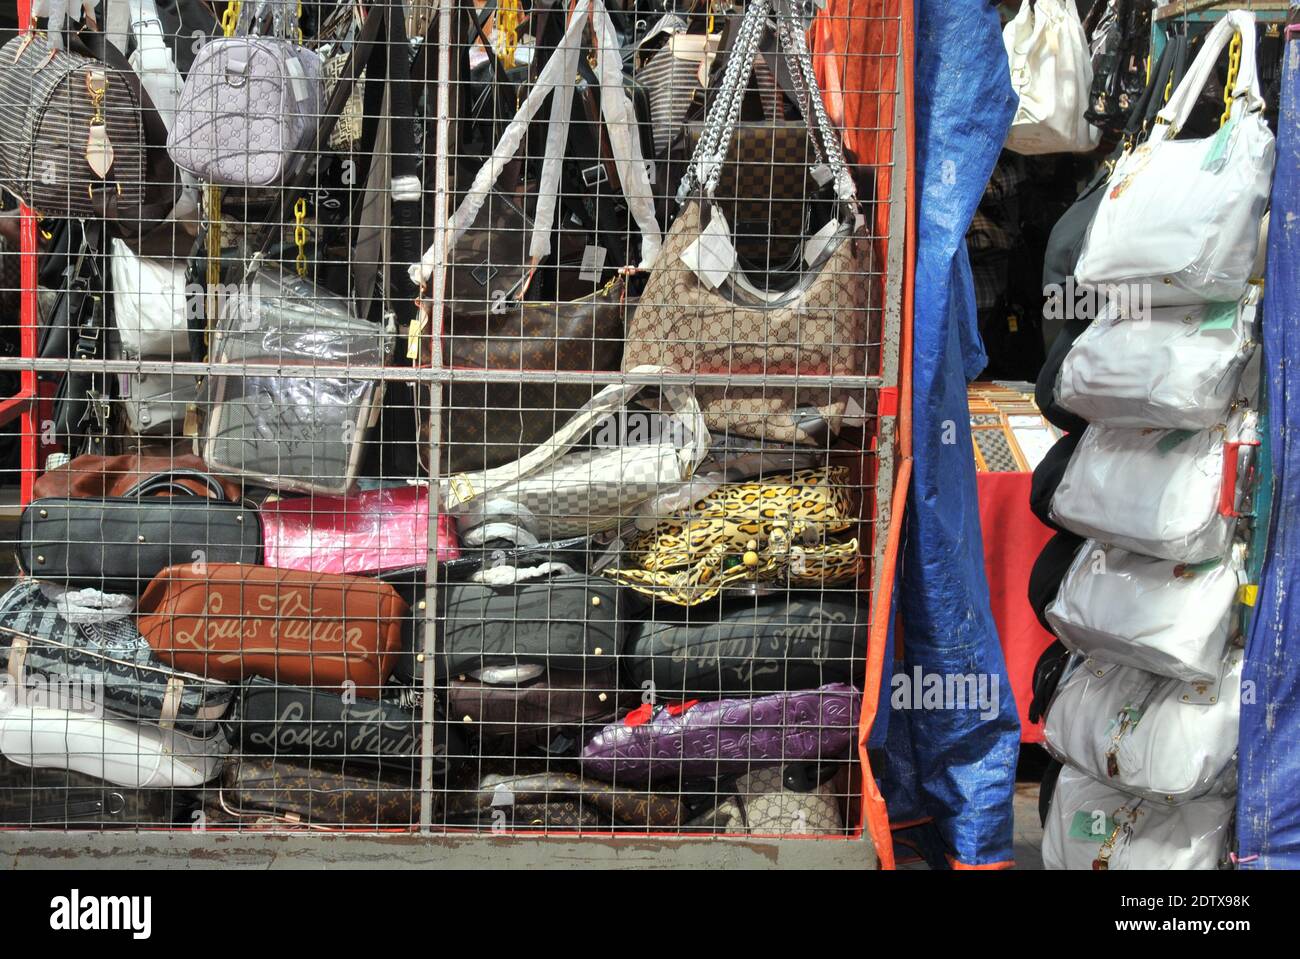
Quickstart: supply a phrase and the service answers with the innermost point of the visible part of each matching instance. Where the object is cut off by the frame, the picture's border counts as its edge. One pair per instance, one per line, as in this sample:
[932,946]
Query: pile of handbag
[266,597]
[1150,491]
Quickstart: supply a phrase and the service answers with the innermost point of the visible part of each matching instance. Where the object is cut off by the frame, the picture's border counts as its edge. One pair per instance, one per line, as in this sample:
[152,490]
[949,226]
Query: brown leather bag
[95,477]
[229,621]
[255,789]
[508,718]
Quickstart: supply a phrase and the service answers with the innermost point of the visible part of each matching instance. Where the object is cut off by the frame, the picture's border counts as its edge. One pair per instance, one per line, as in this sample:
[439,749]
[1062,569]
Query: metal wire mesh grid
[596,556]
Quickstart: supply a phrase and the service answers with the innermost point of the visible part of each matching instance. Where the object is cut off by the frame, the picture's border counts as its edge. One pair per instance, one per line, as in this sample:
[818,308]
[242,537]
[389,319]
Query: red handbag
[228,621]
[369,532]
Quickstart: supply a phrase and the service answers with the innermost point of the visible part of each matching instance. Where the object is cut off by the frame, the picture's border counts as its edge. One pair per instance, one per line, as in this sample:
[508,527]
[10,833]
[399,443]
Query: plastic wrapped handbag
[1183,215]
[305,432]
[1092,826]
[1052,74]
[1170,494]
[1180,368]
[767,533]
[1147,735]
[1172,619]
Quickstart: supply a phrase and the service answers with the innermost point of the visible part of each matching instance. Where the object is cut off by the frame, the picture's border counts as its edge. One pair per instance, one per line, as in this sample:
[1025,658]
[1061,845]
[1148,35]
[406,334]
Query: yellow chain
[508,17]
[300,234]
[712,20]
[230,17]
[1234,64]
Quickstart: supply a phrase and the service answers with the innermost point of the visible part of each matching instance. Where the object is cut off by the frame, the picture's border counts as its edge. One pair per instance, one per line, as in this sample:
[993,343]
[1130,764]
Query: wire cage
[451,419]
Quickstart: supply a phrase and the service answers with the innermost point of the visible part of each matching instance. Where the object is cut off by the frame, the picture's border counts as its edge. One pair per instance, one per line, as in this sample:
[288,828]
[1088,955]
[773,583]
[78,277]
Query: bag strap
[1245,93]
[171,482]
[463,487]
[556,81]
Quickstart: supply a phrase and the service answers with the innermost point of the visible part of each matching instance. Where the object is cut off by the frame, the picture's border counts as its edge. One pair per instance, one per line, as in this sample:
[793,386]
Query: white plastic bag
[1172,494]
[1090,822]
[1183,216]
[1171,619]
[1051,71]
[1180,368]
[1146,735]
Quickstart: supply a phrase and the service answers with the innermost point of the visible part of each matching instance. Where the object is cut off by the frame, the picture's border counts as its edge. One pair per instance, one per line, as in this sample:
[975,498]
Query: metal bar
[1183,8]
[20,403]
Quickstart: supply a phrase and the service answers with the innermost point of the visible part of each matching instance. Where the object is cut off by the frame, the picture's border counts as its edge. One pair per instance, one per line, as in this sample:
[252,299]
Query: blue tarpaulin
[1268,802]
[960,767]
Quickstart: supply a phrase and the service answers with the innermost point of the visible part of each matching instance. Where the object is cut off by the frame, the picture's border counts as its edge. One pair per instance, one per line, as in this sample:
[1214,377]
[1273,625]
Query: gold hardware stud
[421,605]
[40,559]
[44,513]
[467,719]
[598,650]
[595,601]
[602,697]
[750,558]
[140,538]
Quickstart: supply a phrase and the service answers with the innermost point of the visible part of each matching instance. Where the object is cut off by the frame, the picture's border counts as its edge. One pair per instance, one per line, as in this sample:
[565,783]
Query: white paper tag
[301,90]
[712,257]
[817,243]
[593,263]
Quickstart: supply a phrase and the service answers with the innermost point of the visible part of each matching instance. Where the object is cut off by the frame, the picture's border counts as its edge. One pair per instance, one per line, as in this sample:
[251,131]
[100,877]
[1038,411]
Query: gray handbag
[247,107]
[155,404]
[303,433]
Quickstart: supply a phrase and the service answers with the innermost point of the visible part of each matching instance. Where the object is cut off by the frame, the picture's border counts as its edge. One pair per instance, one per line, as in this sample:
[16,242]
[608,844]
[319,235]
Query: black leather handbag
[34,797]
[293,722]
[119,544]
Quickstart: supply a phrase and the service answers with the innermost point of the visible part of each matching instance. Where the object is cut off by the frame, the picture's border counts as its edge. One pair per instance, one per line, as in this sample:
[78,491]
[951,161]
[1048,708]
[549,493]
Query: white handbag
[1183,215]
[1172,494]
[1181,368]
[1051,72]
[149,305]
[1168,618]
[124,753]
[578,493]
[1091,826]
[1145,734]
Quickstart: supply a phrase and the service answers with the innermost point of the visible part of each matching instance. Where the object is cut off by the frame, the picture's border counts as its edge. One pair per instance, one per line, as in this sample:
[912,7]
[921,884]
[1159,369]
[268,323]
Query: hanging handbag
[59,798]
[119,544]
[290,792]
[1170,619]
[120,752]
[149,305]
[513,710]
[41,647]
[681,742]
[372,531]
[1146,735]
[579,493]
[229,622]
[302,433]
[771,532]
[797,641]
[1051,73]
[1180,368]
[702,311]
[1093,826]
[1171,494]
[1198,202]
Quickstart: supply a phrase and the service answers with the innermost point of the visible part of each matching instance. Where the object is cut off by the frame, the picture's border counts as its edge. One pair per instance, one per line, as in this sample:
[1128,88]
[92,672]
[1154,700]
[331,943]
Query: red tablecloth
[1013,538]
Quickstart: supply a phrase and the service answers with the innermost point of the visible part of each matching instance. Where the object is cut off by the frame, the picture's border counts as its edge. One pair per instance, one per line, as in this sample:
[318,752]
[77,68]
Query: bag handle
[1175,113]
[171,482]
[463,487]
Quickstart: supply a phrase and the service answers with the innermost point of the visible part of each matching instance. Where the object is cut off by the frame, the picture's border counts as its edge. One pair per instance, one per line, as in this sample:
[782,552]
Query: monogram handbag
[570,492]
[229,622]
[290,792]
[1093,826]
[1171,619]
[304,433]
[1198,202]
[40,644]
[115,750]
[705,311]
[119,544]
[1171,494]
[297,723]
[765,803]
[770,532]
[1146,735]
[512,710]
[1180,368]
[728,737]
[751,647]
[31,798]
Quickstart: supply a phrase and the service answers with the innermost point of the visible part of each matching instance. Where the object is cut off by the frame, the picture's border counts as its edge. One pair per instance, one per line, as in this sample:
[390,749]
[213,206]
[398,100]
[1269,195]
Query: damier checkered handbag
[576,493]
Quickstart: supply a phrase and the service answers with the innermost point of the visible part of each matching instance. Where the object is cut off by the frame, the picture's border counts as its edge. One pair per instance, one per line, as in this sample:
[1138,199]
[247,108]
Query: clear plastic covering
[1144,734]
[1092,826]
[1172,619]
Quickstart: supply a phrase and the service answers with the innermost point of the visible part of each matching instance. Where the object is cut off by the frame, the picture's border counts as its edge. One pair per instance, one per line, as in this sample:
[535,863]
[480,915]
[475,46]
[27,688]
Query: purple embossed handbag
[726,738]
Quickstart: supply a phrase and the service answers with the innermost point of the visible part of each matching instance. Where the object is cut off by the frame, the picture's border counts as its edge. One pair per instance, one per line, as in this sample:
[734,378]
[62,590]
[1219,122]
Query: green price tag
[1173,439]
[1219,316]
[1091,826]
[1214,158]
